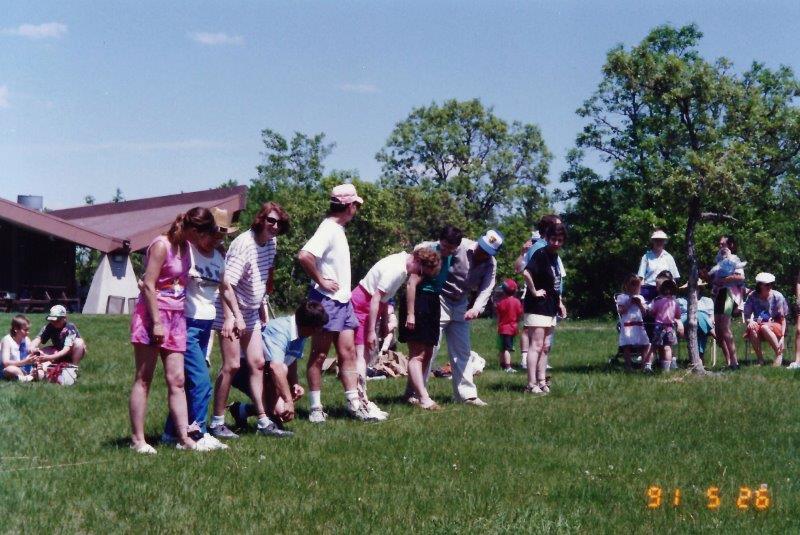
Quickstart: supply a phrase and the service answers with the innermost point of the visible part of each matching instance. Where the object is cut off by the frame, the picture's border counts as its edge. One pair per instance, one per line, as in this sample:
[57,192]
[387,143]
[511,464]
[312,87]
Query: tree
[118,197]
[489,166]
[687,138]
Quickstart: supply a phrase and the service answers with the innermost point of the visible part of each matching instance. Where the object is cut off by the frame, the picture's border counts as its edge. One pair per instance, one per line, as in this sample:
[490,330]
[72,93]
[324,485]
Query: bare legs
[537,355]
[346,354]
[722,329]
[146,359]
[418,361]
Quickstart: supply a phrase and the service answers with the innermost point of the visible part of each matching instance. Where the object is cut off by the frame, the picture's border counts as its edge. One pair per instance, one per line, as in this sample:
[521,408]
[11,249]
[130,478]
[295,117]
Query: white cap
[57,311]
[659,235]
[491,242]
[765,278]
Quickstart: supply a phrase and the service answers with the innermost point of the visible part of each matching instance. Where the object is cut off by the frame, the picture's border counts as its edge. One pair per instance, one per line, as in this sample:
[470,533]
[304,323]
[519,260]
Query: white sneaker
[196,447]
[212,443]
[360,412]
[317,415]
[26,379]
[376,411]
[475,402]
[144,448]
[794,366]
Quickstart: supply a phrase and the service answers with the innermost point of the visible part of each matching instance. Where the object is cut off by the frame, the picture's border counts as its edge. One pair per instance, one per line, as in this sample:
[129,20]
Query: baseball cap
[491,242]
[659,235]
[56,312]
[345,194]
[510,285]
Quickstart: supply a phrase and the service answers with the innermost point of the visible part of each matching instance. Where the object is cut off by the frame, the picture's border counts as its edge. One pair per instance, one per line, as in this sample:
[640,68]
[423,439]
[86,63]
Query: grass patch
[579,460]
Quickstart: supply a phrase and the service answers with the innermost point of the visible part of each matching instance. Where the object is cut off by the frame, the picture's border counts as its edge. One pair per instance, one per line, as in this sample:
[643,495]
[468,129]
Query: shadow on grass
[125,442]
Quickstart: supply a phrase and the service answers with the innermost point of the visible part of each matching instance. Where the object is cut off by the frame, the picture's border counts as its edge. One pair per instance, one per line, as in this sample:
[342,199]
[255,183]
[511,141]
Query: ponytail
[177,232]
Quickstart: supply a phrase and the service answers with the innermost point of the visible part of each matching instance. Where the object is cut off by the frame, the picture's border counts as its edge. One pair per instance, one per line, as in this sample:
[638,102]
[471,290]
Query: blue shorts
[341,316]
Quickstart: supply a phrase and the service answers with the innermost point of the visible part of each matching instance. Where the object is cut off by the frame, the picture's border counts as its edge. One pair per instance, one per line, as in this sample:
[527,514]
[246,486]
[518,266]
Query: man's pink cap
[345,194]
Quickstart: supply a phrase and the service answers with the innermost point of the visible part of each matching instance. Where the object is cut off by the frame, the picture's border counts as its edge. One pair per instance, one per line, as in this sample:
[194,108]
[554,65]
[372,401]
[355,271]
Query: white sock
[524,360]
[352,396]
[217,420]
[316,399]
[263,422]
[648,366]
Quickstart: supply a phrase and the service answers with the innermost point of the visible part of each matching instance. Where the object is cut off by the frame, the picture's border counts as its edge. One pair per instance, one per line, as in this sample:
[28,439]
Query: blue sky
[158,99]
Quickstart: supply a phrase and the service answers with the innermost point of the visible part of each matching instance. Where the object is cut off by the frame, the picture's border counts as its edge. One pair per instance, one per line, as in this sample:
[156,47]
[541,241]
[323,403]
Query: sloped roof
[138,221]
[47,223]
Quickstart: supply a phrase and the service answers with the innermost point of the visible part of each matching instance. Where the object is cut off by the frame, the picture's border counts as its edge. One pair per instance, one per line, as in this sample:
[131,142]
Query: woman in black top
[542,305]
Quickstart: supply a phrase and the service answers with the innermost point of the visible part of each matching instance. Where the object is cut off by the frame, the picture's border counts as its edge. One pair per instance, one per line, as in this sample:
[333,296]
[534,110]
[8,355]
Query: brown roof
[139,221]
[46,223]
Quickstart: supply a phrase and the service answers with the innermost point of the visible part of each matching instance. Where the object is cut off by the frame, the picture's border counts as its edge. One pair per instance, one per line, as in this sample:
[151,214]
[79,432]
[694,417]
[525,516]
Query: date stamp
[746,499]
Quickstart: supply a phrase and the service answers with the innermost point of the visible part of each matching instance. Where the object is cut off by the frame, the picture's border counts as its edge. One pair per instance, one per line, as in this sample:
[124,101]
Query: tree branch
[713,216]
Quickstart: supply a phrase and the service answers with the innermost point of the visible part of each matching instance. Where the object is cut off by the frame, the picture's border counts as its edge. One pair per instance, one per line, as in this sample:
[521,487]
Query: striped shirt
[247,269]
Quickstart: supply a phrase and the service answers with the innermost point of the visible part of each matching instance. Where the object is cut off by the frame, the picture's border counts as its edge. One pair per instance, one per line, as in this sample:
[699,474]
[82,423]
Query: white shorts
[537,320]
[633,335]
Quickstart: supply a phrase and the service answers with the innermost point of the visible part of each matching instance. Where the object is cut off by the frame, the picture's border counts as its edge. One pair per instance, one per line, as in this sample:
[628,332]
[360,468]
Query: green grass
[579,460]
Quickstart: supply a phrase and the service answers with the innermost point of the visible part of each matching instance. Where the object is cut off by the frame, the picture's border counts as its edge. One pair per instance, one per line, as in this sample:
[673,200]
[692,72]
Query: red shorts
[771,325]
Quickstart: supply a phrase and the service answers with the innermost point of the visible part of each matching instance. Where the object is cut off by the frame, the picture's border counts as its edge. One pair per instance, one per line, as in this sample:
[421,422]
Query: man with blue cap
[473,268]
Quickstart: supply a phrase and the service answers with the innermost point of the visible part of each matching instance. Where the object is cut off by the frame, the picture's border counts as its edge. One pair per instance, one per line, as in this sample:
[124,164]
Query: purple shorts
[341,316]
[174,323]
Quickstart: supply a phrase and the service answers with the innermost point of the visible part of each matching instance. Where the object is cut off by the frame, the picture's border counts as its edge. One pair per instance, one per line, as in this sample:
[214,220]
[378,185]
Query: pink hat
[345,194]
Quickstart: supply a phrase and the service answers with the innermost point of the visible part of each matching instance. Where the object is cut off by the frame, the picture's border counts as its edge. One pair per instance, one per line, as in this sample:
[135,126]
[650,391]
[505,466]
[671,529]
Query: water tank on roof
[34,202]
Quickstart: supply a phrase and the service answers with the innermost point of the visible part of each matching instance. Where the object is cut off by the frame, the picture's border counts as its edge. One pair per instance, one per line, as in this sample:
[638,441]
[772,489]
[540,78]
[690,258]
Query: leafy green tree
[489,166]
[687,141]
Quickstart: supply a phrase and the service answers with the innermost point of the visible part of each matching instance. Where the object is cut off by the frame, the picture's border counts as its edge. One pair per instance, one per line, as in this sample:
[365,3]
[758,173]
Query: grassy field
[579,460]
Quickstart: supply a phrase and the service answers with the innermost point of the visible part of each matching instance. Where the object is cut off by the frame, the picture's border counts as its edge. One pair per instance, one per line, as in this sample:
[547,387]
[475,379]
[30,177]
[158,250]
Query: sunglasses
[272,221]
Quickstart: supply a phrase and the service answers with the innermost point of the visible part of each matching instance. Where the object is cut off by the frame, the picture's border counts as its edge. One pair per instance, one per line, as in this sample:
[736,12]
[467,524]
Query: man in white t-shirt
[326,259]
[370,301]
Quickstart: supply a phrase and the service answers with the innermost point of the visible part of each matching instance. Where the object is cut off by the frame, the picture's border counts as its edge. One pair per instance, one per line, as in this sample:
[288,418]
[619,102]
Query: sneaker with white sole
[510,370]
[221,431]
[317,415]
[475,402]
[212,442]
[360,412]
[794,366]
[272,430]
[376,411]
[144,448]
[535,390]
[197,446]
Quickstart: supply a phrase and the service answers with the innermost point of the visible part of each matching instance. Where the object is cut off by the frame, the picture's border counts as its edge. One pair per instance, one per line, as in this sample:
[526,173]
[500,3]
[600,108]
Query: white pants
[456,329]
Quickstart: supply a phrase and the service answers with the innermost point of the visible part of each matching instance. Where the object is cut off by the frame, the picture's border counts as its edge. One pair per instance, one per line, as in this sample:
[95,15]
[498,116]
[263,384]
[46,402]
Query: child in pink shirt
[665,310]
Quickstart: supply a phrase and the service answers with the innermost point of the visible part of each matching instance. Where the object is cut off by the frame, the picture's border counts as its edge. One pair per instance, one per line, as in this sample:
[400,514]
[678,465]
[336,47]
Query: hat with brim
[659,235]
[223,220]
[345,194]
[765,278]
[491,242]
[57,312]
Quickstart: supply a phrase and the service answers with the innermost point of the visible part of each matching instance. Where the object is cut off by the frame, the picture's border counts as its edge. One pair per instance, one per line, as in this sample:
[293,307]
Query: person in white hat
[654,261]
[765,312]
[65,341]
[473,267]
[326,259]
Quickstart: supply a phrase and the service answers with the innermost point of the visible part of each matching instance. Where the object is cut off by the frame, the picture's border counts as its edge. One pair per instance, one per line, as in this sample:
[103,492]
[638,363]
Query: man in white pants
[473,268]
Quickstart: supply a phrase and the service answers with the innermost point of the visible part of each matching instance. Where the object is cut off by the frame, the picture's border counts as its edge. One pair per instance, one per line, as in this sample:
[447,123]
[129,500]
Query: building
[38,248]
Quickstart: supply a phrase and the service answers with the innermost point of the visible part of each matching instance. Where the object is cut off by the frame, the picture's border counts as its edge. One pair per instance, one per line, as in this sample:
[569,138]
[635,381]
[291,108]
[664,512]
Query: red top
[509,310]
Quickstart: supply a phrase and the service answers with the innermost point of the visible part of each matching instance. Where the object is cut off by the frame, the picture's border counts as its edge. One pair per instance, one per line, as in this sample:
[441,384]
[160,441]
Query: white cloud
[359,88]
[4,96]
[213,39]
[38,31]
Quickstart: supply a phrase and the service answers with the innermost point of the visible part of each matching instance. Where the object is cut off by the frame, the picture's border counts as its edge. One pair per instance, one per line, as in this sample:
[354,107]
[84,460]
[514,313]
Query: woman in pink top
[158,328]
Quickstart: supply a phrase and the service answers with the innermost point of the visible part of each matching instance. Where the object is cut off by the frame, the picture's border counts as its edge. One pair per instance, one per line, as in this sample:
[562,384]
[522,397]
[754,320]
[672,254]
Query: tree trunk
[691,327]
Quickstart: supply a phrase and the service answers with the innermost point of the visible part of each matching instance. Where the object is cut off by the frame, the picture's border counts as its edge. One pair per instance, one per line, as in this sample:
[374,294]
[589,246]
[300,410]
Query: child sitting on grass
[631,307]
[16,363]
[509,311]
[665,311]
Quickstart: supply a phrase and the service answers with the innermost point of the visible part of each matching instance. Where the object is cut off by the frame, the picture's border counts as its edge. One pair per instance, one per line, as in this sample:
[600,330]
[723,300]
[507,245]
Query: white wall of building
[114,276]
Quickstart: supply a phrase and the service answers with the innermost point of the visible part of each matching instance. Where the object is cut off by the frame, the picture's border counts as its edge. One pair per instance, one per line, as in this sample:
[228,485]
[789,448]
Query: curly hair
[260,219]
[428,259]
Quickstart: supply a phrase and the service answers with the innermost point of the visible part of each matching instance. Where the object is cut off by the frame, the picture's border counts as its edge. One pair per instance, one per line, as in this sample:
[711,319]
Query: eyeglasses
[272,221]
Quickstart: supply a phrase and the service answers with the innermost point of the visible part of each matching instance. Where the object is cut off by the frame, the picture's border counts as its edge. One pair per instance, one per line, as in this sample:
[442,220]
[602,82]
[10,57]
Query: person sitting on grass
[67,344]
[16,361]
[765,312]
[282,343]
[509,311]
[631,308]
[665,311]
